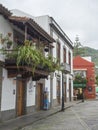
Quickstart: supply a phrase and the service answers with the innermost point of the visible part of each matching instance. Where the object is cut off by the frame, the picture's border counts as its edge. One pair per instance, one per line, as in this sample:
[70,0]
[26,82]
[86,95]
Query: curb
[22,123]
[53,113]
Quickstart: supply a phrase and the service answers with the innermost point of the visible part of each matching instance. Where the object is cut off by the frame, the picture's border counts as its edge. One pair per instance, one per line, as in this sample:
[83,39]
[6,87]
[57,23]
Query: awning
[79,85]
[97,89]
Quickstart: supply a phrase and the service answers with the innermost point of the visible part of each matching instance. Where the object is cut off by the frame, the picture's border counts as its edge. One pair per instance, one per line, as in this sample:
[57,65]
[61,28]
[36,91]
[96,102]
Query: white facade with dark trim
[52,28]
[33,90]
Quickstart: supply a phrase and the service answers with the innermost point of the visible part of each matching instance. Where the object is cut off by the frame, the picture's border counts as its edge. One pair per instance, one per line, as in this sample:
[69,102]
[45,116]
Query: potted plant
[6,41]
[28,55]
[9,44]
[31,56]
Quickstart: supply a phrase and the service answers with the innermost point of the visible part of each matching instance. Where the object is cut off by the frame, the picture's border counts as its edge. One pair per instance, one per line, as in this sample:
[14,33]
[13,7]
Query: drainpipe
[62,108]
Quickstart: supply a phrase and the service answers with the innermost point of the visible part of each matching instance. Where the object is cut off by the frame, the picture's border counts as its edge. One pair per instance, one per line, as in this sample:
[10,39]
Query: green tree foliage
[97,79]
[29,55]
[79,79]
[78,48]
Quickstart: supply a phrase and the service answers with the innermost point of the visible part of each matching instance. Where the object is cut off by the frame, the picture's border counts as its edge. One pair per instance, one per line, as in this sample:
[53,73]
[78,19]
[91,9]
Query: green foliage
[78,48]
[6,41]
[94,55]
[34,57]
[86,51]
[29,55]
[79,79]
[97,80]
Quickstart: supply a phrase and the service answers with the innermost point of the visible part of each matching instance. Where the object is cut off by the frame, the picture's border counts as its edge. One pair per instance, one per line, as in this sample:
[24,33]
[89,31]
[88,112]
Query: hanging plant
[9,44]
[6,41]
[31,56]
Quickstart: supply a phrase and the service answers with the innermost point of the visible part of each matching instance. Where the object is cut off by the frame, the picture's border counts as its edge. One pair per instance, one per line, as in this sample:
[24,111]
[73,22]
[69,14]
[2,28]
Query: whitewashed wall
[47,86]
[8,98]
[30,93]
[44,21]
[5,27]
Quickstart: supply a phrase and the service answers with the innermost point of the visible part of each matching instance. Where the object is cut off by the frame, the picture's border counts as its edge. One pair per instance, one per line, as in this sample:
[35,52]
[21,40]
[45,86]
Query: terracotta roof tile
[19,18]
[34,25]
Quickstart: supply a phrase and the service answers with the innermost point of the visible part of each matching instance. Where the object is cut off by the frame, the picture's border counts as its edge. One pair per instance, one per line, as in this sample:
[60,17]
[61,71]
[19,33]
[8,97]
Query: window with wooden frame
[69,58]
[64,55]
[58,91]
[58,51]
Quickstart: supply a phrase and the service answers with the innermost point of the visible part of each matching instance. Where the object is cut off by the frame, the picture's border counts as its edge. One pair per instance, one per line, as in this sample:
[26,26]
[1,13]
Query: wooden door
[69,90]
[20,98]
[58,92]
[39,96]
[65,92]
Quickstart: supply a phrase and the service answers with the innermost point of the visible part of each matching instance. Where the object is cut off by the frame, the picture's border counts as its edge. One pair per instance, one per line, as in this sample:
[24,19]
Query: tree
[78,48]
[79,79]
[97,80]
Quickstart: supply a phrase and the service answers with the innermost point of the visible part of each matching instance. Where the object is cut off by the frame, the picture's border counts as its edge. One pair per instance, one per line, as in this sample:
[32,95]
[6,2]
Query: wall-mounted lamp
[46,49]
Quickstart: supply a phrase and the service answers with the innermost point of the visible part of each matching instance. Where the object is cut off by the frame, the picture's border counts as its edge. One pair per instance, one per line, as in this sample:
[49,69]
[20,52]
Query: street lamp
[62,108]
[62,69]
[82,95]
[82,90]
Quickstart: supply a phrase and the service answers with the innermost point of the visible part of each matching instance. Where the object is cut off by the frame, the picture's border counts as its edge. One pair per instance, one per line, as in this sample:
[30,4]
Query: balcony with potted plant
[28,60]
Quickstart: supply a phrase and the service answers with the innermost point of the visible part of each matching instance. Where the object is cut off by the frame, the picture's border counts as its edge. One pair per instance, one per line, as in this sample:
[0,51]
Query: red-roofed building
[86,69]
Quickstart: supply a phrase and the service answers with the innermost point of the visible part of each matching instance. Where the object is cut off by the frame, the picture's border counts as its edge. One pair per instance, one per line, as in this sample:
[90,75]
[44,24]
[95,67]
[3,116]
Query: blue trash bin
[46,101]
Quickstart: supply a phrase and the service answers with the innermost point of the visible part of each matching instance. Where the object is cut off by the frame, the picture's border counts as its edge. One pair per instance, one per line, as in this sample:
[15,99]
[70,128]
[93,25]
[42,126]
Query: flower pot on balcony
[9,44]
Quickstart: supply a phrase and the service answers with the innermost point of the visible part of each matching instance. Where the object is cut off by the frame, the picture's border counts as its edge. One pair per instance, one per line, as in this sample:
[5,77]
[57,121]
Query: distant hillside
[94,56]
[93,53]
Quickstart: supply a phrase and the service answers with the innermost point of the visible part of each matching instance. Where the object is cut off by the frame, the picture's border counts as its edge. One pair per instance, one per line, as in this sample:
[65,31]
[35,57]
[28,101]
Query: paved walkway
[25,120]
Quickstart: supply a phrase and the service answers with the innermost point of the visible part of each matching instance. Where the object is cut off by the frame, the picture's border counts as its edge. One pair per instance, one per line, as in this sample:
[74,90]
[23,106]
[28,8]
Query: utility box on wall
[46,100]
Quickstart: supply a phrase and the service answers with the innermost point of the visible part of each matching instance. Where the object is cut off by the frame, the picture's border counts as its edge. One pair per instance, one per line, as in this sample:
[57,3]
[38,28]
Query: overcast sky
[75,17]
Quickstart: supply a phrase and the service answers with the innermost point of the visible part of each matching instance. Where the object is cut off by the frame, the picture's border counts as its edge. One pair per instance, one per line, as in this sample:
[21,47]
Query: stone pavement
[25,120]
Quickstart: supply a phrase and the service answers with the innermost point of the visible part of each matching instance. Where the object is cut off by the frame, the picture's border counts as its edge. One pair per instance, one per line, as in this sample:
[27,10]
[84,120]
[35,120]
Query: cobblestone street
[83,116]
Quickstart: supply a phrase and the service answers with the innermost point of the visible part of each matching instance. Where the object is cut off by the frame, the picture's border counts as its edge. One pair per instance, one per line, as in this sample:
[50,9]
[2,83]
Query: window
[69,58]
[58,92]
[64,55]
[58,51]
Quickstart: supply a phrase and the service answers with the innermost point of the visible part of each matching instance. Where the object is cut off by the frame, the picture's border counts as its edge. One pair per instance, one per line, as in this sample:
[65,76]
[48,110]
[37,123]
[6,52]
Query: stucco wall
[8,98]
[5,27]
[30,93]
[44,22]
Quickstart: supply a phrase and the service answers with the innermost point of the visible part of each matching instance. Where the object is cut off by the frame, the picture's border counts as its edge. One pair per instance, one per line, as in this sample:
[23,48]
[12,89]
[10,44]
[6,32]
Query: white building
[18,90]
[63,50]
[19,93]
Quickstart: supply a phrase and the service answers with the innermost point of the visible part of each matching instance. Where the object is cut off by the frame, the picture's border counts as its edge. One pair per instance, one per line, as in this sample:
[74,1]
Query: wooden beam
[14,70]
[41,72]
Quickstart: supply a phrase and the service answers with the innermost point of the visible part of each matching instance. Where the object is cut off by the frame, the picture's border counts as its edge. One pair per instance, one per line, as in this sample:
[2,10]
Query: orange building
[86,68]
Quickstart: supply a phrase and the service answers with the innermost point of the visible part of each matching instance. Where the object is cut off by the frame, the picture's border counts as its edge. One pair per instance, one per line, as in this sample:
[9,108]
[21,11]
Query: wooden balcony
[25,70]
